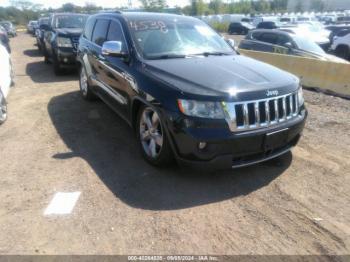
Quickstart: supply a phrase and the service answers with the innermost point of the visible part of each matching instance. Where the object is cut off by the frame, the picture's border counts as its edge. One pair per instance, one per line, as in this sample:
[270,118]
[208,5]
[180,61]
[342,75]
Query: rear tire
[343,52]
[3,109]
[152,137]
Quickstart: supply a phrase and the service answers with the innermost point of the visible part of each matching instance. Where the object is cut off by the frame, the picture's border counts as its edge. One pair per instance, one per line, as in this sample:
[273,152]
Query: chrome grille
[255,114]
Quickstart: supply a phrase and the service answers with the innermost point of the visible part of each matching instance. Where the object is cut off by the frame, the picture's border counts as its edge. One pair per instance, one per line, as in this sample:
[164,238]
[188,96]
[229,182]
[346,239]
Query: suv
[61,39]
[186,92]
[40,32]
[239,28]
[9,27]
[341,45]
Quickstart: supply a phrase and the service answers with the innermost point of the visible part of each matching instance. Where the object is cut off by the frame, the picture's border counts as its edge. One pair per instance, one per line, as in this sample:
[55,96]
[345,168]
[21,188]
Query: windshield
[175,37]
[70,21]
[305,44]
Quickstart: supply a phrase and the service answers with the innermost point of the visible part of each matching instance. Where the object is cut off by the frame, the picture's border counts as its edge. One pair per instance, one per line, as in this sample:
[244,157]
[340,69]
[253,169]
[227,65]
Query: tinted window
[88,28]
[100,32]
[269,38]
[115,33]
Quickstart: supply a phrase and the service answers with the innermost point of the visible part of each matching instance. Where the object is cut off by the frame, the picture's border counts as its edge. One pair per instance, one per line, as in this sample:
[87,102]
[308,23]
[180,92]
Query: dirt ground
[54,142]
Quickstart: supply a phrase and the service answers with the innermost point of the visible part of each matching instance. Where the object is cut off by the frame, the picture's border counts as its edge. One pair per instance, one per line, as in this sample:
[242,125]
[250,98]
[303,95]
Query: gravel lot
[56,142]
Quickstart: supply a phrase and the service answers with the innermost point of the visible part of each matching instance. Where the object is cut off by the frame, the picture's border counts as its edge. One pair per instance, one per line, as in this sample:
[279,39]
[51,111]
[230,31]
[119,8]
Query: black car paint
[65,56]
[250,43]
[125,83]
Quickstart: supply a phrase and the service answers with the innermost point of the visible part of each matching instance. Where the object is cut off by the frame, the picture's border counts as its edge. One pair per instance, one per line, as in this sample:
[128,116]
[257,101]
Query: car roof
[146,15]
[278,31]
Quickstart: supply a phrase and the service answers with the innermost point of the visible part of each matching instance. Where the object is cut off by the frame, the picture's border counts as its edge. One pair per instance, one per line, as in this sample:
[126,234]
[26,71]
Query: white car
[316,34]
[341,46]
[6,80]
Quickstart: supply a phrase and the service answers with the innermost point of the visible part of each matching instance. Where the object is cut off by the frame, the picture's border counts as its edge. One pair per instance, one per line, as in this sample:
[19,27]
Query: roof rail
[109,11]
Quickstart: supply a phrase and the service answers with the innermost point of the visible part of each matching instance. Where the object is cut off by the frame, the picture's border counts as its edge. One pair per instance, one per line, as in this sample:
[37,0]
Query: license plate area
[275,139]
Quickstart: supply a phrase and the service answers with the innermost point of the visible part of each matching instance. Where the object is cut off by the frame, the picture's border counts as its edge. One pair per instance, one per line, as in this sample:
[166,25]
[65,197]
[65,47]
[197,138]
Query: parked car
[4,39]
[335,29]
[61,39]
[279,41]
[31,27]
[269,25]
[6,79]
[40,32]
[313,32]
[341,46]
[9,27]
[187,93]
[240,28]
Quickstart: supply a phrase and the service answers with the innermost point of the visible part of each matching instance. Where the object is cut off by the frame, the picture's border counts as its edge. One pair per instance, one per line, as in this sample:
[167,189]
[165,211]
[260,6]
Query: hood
[233,76]
[69,31]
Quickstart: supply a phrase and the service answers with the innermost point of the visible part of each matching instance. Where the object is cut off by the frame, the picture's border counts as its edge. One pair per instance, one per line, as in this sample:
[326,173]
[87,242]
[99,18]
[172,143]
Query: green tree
[317,5]
[198,7]
[216,6]
[154,5]
[299,6]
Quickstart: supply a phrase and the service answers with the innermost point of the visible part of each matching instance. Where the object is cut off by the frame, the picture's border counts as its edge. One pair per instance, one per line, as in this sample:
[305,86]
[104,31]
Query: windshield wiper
[167,56]
[211,53]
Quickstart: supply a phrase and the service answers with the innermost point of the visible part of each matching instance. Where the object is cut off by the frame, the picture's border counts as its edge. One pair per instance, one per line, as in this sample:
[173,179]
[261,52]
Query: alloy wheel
[151,133]
[83,82]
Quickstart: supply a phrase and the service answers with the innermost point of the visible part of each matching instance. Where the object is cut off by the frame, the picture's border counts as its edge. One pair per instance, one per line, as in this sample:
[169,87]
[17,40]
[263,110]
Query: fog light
[202,145]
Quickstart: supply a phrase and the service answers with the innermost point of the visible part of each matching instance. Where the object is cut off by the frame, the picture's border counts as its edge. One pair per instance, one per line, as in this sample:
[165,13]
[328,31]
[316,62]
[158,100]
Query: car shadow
[32,53]
[95,133]
[40,72]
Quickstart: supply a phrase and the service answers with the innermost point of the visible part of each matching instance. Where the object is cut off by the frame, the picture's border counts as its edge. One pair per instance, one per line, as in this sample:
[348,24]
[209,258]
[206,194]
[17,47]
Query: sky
[103,3]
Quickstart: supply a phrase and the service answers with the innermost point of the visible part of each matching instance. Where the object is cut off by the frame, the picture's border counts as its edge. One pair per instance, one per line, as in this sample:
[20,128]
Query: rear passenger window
[100,32]
[88,28]
[269,38]
[115,33]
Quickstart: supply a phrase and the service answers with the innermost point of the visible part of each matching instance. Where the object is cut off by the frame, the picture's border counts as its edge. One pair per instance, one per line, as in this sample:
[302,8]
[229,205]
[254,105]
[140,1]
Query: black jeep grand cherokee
[61,37]
[187,93]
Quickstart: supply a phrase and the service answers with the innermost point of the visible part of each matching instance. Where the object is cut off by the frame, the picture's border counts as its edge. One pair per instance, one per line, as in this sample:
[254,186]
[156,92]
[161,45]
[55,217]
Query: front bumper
[226,150]
[67,57]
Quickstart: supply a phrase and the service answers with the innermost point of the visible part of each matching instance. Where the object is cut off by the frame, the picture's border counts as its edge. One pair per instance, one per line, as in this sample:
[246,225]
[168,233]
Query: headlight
[64,42]
[201,109]
[300,96]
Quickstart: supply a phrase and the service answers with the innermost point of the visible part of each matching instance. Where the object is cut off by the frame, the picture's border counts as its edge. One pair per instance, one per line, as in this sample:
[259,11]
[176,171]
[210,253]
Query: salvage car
[4,39]
[40,33]
[6,80]
[282,42]
[240,28]
[9,27]
[61,39]
[187,93]
[31,26]
[341,46]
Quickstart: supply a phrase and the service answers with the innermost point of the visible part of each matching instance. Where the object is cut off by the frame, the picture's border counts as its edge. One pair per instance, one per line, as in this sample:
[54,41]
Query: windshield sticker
[149,25]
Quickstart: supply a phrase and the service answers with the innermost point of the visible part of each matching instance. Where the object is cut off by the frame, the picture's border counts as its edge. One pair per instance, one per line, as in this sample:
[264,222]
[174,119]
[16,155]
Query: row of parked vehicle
[7,30]
[305,38]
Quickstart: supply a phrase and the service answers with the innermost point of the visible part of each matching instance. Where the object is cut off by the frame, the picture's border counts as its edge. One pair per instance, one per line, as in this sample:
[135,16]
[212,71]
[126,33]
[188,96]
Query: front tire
[152,137]
[57,66]
[3,109]
[84,85]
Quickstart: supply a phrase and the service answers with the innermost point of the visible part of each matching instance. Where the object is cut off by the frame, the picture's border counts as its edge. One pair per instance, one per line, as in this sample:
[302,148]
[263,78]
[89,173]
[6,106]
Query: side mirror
[231,42]
[113,48]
